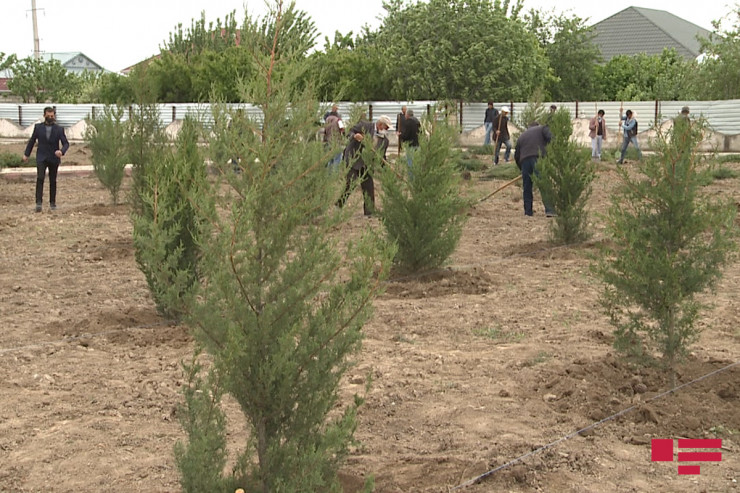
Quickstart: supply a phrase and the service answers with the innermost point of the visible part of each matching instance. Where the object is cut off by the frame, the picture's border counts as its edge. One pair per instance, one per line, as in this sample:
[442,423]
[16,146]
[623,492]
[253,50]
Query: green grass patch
[724,173]
[480,150]
[504,171]
[12,160]
[467,161]
[728,158]
[541,357]
[500,335]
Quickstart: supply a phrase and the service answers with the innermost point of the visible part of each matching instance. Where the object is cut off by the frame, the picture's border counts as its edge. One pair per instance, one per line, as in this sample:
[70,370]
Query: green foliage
[535,110]
[281,308]
[467,161]
[105,136]
[349,71]
[118,89]
[12,160]
[728,158]
[474,50]
[646,77]
[146,147]
[201,461]
[173,202]
[571,52]
[719,76]
[423,212]
[37,81]
[565,176]
[209,60]
[504,171]
[724,173]
[669,245]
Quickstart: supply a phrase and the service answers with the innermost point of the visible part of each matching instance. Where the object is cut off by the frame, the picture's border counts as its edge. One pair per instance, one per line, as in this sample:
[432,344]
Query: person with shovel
[502,135]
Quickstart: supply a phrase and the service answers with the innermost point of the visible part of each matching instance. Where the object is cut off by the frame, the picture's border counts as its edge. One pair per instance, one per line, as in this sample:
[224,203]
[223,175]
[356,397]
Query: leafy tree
[565,176]
[423,212]
[572,55]
[105,136]
[719,74]
[349,70]
[280,311]
[670,243]
[645,77]
[37,81]
[118,89]
[459,49]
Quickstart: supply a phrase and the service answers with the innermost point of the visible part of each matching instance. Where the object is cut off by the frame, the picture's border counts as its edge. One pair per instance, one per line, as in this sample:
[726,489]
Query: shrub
[565,176]
[173,197]
[105,136]
[281,309]
[12,160]
[423,212]
[670,244]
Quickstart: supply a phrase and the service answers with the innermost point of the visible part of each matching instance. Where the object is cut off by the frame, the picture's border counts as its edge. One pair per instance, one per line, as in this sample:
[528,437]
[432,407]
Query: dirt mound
[440,283]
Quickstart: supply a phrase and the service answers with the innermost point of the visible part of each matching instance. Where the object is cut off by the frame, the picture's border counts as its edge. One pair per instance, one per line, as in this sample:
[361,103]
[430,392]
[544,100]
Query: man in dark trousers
[53,145]
[375,135]
[491,115]
[501,128]
[410,135]
[400,119]
[530,146]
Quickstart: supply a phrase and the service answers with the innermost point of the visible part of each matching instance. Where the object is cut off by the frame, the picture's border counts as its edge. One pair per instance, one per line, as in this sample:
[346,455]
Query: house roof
[637,30]
[73,61]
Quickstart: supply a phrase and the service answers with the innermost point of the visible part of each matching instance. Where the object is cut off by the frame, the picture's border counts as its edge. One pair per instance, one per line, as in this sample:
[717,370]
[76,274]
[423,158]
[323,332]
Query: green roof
[637,30]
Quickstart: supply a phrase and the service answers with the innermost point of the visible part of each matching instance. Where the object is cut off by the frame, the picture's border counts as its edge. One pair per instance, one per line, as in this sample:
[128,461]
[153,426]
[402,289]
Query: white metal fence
[723,116]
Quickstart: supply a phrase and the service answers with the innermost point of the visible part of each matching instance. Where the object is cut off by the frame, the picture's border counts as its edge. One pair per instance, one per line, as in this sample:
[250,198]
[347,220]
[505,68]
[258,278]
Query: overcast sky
[117,33]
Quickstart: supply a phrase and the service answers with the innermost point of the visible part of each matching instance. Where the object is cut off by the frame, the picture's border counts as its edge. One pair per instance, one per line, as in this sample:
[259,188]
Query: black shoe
[53,207]
[38,207]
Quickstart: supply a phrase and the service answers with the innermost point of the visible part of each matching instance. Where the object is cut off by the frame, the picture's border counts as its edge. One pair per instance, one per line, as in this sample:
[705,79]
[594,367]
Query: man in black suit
[48,155]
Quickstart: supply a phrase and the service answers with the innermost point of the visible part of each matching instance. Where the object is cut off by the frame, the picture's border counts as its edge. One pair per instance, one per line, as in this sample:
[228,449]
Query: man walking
[629,127]
[52,146]
[530,146]
[491,114]
[597,132]
[502,135]
[375,135]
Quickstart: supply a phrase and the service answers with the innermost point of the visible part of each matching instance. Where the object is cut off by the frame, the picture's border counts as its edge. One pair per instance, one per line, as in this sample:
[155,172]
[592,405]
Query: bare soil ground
[502,353]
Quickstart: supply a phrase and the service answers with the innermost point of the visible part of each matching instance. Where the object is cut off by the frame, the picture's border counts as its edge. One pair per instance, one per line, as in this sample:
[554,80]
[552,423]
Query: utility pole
[36,44]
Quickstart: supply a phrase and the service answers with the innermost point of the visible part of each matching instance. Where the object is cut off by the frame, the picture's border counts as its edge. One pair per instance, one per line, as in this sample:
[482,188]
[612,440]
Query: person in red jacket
[52,146]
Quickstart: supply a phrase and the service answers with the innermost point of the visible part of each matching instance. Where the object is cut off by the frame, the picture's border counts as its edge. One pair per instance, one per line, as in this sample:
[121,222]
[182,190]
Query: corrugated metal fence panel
[9,112]
[31,113]
[723,116]
[70,114]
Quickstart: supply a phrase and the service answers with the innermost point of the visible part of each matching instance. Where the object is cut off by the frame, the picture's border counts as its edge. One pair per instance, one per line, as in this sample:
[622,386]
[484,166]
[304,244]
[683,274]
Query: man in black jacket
[491,115]
[410,135]
[375,134]
[530,146]
[53,145]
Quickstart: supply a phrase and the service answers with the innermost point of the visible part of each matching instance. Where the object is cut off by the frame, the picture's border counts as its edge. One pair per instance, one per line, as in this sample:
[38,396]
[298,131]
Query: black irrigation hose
[587,428]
